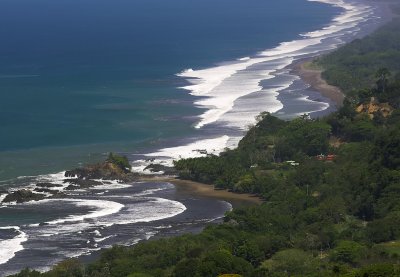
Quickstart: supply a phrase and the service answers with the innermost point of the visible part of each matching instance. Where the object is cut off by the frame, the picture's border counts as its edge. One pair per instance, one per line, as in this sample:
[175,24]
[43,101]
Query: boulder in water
[48,185]
[23,195]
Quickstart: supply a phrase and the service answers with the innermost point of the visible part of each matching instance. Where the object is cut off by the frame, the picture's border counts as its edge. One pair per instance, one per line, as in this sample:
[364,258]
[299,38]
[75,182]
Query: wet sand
[312,76]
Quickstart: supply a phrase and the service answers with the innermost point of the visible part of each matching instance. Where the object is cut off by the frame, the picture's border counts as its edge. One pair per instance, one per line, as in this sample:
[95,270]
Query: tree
[293,262]
[120,161]
[347,252]
[382,74]
[378,270]
[186,267]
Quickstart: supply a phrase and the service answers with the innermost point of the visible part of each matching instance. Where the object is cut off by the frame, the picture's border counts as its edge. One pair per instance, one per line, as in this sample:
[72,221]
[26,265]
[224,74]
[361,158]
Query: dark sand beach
[205,190]
[312,76]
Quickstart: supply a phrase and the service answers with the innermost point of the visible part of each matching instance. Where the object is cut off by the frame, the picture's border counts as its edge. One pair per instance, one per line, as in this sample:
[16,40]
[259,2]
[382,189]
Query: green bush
[120,161]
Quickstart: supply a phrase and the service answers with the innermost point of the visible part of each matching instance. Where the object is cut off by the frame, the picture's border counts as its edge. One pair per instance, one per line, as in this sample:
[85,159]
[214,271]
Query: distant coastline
[312,75]
[275,80]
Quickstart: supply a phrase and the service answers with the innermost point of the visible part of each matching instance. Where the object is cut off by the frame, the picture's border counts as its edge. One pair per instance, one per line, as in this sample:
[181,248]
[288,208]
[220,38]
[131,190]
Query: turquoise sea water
[80,78]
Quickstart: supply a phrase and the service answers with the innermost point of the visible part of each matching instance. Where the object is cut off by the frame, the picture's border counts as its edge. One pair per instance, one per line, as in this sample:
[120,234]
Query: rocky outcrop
[48,185]
[81,183]
[114,168]
[105,171]
[26,195]
[23,195]
[54,193]
[44,190]
[58,194]
[374,108]
[155,168]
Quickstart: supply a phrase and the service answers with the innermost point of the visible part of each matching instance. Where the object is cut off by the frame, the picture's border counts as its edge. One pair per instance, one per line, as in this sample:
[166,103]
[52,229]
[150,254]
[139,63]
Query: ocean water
[155,80]
[80,78]
[40,234]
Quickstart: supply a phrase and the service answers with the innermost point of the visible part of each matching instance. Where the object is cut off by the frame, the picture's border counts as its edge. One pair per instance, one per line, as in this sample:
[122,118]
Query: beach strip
[206,190]
[313,76]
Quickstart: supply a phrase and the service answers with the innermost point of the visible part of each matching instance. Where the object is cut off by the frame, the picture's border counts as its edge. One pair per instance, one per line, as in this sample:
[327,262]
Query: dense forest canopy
[331,188]
[353,67]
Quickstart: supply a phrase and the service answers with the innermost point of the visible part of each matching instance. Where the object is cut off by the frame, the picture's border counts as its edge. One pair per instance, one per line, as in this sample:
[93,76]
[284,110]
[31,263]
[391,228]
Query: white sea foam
[199,148]
[101,208]
[97,233]
[109,213]
[154,209]
[110,185]
[194,149]
[151,209]
[57,178]
[2,196]
[163,227]
[54,178]
[307,99]
[150,191]
[223,89]
[353,15]
[140,166]
[103,239]
[9,247]
[223,84]
[81,252]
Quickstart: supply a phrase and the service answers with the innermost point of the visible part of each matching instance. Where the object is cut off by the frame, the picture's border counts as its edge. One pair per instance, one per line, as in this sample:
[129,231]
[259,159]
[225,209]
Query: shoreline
[205,190]
[313,77]
[318,101]
[189,189]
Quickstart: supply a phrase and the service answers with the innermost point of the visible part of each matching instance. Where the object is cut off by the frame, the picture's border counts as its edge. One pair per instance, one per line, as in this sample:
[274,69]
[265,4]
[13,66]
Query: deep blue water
[79,78]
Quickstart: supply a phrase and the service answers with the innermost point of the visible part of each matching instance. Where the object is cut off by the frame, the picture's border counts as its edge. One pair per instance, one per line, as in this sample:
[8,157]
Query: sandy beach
[312,76]
[205,190]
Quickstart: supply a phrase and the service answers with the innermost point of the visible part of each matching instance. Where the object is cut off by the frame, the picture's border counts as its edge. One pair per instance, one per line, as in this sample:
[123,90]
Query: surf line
[220,86]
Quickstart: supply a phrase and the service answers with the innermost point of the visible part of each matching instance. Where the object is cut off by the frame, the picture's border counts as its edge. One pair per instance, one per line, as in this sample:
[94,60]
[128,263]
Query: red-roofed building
[329,157]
